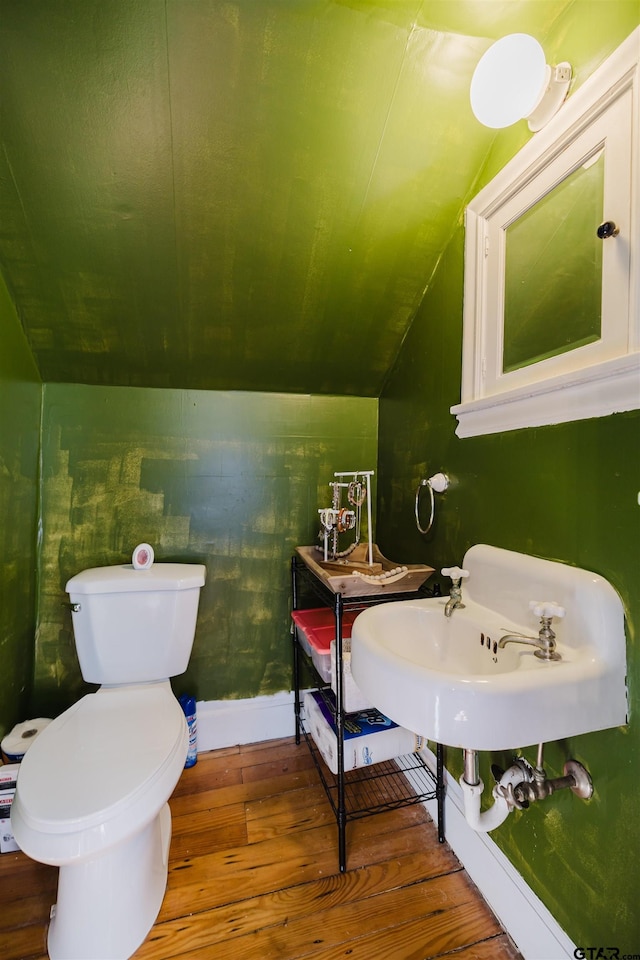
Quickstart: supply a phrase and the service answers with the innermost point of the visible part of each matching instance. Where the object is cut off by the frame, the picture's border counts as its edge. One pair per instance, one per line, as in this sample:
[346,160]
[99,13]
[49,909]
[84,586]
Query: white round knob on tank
[143,557]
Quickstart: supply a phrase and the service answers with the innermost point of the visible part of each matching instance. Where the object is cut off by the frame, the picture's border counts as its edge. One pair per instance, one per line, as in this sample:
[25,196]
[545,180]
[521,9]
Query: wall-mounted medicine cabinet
[551,304]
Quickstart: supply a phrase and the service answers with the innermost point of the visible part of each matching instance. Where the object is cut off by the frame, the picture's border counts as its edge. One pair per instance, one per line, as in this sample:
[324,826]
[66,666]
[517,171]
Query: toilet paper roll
[17,741]
[142,557]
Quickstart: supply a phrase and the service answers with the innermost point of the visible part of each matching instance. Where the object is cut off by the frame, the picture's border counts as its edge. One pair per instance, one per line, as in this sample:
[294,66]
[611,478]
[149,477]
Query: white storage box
[352,696]
[369,736]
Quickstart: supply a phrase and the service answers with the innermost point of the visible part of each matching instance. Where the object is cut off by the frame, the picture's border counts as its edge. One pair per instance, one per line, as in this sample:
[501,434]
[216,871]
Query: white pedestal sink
[447,679]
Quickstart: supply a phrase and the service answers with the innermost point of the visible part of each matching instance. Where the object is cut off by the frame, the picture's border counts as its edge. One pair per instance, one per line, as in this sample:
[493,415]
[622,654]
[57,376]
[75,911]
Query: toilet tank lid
[124,579]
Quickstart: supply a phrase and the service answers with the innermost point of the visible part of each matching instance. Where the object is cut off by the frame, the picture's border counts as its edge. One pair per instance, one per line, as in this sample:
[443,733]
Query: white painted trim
[225,723]
[525,918]
[604,389]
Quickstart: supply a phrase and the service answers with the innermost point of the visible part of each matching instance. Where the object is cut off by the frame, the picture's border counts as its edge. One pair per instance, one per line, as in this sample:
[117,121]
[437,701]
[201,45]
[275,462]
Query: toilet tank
[132,626]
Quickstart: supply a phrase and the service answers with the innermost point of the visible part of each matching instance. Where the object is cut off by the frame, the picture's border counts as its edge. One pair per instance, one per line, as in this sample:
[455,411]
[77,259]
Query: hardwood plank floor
[253,875]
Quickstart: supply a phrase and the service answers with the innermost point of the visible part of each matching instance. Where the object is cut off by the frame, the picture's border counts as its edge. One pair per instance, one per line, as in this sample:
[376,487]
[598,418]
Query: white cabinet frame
[596,379]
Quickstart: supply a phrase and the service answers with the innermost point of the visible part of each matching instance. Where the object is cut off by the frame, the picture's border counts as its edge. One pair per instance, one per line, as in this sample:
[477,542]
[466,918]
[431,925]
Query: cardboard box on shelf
[7,841]
[369,736]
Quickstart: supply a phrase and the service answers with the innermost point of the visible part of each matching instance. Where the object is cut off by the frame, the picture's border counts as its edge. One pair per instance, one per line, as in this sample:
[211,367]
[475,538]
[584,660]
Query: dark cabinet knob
[607,229]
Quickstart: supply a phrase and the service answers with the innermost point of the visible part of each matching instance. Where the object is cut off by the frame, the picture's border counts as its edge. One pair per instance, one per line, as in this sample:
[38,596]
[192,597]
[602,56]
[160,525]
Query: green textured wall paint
[231,480]
[20,398]
[235,195]
[566,492]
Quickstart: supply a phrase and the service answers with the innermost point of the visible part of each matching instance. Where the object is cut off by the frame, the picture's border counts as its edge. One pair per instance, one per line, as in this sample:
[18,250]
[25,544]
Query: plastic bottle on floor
[188,705]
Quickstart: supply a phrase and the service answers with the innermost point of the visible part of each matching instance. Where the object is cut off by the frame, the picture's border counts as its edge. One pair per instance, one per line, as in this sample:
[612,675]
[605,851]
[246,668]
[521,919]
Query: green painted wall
[20,399]
[231,480]
[567,492]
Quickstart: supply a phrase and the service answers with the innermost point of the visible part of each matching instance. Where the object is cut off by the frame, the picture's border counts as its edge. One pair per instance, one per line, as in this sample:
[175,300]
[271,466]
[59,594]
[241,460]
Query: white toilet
[93,788]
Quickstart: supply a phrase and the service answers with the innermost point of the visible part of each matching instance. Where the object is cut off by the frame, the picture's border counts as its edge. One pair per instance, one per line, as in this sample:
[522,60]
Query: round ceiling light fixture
[513,81]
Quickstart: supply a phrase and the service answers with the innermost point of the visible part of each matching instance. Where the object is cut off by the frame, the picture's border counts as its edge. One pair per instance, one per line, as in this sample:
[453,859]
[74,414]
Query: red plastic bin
[316,630]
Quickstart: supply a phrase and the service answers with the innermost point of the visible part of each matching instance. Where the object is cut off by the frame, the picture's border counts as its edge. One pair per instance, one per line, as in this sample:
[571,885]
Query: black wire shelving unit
[369,790]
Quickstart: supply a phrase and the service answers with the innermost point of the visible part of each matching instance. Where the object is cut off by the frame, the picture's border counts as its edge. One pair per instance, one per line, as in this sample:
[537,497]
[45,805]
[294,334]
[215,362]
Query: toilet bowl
[92,790]
[92,799]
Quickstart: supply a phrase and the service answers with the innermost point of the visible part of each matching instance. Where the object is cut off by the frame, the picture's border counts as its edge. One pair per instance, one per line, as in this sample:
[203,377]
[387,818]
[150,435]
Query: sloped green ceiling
[235,195]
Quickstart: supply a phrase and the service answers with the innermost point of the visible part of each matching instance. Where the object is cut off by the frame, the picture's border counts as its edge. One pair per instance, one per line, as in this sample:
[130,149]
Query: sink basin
[447,679]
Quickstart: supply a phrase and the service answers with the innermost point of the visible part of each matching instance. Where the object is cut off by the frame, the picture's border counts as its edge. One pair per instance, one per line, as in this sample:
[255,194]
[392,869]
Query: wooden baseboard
[530,925]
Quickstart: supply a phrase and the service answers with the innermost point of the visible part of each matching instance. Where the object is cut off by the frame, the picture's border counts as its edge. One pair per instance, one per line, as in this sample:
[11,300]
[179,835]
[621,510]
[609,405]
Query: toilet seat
[104,769]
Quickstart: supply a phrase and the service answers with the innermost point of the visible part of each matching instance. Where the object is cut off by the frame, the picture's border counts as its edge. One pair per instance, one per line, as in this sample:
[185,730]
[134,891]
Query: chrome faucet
[545,642]
[455,594]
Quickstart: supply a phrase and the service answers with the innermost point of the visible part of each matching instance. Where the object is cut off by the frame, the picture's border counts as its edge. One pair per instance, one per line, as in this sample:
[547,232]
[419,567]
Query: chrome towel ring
[439,482]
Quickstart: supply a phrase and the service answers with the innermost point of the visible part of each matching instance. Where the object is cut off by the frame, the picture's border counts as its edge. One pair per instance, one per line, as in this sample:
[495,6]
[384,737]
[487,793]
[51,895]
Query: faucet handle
[456,573]
[546,608]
